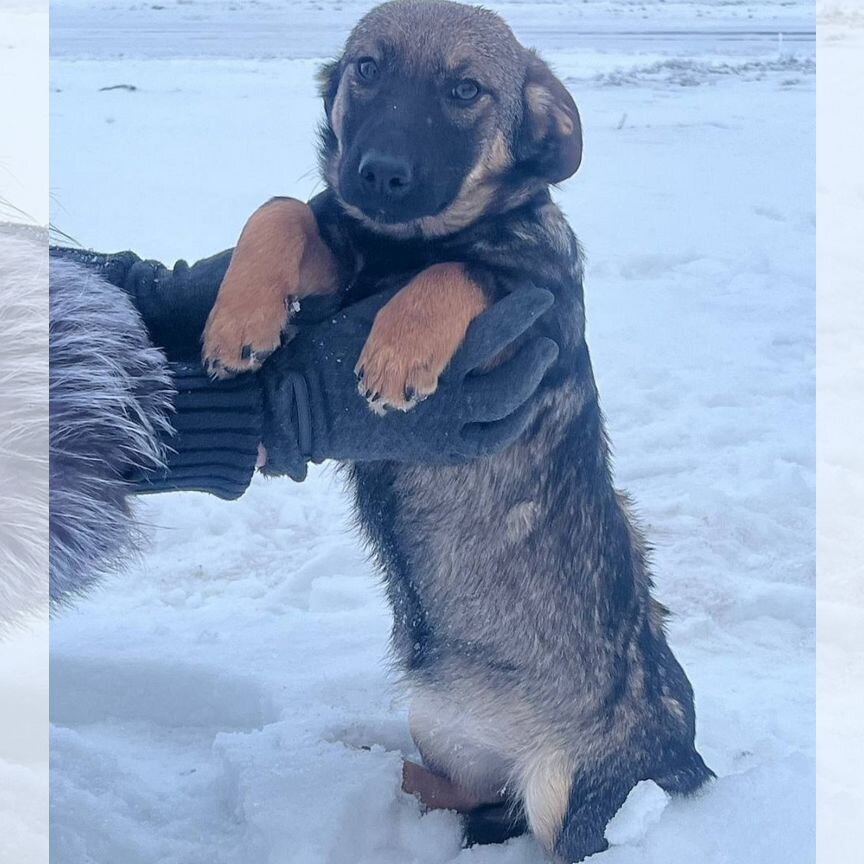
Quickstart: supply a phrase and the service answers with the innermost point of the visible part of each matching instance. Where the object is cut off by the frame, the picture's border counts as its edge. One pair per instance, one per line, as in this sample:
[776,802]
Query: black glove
[313,409]
[174,303]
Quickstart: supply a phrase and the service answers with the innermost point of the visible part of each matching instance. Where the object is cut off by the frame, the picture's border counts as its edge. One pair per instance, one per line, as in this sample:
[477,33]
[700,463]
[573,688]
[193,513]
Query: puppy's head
[436,115]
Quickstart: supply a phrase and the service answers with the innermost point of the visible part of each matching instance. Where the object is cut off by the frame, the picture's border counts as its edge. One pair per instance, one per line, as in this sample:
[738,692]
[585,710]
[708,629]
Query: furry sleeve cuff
[120,411]
[110,402]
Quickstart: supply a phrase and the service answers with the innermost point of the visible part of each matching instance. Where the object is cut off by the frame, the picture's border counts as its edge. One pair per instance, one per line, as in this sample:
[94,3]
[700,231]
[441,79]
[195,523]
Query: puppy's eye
[466,90]
[367,69]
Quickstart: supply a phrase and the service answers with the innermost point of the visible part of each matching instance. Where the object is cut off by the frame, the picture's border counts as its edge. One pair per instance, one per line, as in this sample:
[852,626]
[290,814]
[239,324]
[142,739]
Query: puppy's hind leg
[568,809]
[594,799]
[685,776]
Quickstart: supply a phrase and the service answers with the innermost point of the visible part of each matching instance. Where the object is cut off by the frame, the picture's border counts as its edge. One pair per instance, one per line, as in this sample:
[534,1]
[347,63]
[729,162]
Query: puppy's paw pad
[232,345]
[394,383]
[222,362]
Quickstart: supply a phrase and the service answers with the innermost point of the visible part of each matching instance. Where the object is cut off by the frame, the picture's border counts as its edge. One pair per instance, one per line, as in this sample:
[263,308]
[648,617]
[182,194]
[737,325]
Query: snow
[840,318]
[215,702]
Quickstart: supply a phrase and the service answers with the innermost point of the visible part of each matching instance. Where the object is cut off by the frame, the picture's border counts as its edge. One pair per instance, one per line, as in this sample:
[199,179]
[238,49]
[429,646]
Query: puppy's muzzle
[384,178]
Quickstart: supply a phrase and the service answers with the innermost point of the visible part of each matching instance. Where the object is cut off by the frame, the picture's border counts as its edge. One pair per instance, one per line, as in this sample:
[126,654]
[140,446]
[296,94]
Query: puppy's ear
[550,141]
[328,77]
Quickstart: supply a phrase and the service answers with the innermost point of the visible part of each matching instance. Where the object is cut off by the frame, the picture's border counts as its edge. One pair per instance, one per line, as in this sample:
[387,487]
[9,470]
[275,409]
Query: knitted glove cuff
[217,430]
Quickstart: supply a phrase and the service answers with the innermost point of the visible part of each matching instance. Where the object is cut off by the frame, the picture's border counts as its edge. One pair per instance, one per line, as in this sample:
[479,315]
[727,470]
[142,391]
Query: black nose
[390,176]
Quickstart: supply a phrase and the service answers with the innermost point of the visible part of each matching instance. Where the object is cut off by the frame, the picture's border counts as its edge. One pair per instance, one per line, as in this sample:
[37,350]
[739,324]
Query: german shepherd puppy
[542,685]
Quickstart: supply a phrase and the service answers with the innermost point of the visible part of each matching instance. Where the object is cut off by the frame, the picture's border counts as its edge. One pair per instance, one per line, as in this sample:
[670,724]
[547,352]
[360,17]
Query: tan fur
[337,114]
[539,101]
[476,192]
[544,779]
[416,334]
[489,745]
[554,114]
[280,256]
[521,521]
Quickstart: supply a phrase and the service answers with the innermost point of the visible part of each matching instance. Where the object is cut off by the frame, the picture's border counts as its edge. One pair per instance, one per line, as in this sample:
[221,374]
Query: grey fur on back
[110,396]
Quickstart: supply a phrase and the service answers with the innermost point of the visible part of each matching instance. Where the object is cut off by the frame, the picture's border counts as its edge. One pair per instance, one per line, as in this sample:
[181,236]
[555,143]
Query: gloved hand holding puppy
[303,405]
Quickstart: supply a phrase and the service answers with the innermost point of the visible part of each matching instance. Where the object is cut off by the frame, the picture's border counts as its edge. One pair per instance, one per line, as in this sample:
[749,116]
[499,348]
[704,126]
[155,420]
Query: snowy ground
[840,196]
[210,704]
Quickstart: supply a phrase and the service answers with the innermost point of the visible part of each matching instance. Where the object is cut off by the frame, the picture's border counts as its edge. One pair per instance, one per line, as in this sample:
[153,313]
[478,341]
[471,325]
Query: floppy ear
[551,136]
[328,77]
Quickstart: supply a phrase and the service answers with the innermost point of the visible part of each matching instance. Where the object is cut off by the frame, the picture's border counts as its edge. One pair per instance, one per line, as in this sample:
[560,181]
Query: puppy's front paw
[415,335]
[240,339]
[395,369]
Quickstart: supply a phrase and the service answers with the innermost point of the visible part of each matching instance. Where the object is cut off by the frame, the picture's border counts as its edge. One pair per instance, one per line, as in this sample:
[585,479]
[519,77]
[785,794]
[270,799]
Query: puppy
[543,688]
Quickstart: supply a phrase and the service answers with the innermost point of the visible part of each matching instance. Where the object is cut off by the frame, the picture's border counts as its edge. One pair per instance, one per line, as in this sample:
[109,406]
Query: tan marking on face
[478,44]
[459,56]
[338,111]
[471,202]
[474,196]
[476,193]
[497,159]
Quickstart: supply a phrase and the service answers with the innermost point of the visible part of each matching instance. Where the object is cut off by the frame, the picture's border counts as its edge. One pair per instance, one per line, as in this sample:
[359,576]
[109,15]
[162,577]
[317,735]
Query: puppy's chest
[374,268]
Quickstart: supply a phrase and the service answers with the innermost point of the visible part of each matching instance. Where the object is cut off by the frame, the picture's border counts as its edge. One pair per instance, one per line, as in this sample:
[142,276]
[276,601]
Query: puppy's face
[435,114]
